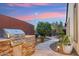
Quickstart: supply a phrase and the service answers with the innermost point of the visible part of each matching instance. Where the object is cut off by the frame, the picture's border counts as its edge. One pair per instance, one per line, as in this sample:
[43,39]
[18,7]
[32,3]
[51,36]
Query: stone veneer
[23,47]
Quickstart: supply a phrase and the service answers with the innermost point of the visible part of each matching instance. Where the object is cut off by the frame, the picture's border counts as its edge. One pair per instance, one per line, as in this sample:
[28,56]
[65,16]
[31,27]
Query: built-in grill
[13,33]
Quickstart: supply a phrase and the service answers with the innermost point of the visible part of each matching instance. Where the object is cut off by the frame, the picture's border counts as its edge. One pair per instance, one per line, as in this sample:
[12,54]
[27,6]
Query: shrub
[44,29]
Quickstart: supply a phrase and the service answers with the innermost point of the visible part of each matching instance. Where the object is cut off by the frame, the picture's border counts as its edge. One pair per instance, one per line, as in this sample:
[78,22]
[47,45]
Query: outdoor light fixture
[58,47]
[8,35]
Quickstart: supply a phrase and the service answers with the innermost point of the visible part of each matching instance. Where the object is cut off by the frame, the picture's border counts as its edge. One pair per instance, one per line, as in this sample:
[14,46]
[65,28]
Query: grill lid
[14,33]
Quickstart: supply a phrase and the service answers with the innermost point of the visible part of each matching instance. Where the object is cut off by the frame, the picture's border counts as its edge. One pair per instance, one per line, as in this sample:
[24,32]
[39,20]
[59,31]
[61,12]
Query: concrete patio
[43,49]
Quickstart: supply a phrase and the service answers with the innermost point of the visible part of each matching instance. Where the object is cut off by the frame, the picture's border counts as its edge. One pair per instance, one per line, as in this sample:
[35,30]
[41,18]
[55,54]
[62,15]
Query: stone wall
[28,47]
[23,47]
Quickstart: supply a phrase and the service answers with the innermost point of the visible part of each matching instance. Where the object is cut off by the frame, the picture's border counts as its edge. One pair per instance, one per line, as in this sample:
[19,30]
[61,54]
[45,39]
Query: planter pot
[67,49]
[42,38]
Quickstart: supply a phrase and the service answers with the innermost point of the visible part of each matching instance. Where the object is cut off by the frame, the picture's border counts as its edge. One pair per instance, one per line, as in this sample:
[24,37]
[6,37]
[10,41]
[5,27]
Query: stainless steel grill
[14,33]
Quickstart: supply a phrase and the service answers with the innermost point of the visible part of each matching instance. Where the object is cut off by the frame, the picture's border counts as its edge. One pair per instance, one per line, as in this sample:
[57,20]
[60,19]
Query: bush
[64,40]
[44,29]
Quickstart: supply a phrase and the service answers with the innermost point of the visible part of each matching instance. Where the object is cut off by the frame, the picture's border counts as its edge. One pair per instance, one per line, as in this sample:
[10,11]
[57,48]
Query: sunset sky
[35,12]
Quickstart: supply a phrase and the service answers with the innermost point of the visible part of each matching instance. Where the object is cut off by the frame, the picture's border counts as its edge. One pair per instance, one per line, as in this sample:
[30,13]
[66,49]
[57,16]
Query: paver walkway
[43,49]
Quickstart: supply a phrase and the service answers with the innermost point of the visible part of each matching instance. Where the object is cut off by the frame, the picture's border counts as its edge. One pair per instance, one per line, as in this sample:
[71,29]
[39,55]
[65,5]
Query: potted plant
[67,45]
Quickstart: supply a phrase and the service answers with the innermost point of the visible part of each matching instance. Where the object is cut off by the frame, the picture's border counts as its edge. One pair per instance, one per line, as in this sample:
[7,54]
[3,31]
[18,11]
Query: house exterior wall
[76,44]
[69,27]
[9,22]
[73,24]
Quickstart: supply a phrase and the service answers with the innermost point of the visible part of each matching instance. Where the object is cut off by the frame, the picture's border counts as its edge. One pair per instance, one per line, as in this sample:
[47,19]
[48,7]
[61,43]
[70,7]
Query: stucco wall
[71,29]
[9,22]
[70,21]
[76,44]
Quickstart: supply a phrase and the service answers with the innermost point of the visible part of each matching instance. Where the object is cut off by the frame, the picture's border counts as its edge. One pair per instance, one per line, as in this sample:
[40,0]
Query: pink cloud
[25,17]
[51,15]
[40,4]
[43,16]
[26,4]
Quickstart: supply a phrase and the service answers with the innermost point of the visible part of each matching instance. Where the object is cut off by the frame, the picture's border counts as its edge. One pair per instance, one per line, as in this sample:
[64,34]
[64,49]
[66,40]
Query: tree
[53,25]
[61,24]
[56,23]
[58,27]
[44,29]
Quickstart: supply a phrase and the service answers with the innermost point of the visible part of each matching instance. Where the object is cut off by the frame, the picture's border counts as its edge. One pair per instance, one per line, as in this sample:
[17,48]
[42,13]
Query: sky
[35,12]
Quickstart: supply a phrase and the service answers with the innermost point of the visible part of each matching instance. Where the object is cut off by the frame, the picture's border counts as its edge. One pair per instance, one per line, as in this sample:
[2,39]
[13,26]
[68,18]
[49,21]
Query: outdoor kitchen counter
[4,39]
[21,47]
